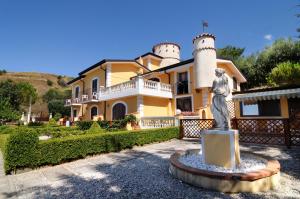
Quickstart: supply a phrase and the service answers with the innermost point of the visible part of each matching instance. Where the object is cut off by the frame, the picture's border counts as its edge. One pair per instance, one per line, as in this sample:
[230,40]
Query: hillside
[41,82]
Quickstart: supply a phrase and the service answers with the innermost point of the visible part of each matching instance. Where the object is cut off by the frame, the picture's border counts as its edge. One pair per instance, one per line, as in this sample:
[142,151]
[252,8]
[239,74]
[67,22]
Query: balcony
[73,102]
[138,86]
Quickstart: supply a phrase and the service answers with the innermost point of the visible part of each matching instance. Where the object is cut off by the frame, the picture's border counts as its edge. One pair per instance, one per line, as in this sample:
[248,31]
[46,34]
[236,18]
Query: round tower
[205,60]
[169,51]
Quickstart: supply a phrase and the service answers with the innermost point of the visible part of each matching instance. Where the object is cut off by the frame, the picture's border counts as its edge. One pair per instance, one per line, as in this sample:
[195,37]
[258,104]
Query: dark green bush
[104,124]
[35,124]
[24,150]
[49,82]
[84,125]
[20,150]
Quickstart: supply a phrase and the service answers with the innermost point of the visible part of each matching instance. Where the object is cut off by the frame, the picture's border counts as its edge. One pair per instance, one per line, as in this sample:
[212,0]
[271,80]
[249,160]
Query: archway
[119,111]
[94,112]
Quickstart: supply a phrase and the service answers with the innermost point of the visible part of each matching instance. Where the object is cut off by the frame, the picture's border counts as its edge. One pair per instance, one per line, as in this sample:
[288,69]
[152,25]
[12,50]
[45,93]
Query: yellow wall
[154,106]
[155,64]
[283,106]
[131,106]
[123,72]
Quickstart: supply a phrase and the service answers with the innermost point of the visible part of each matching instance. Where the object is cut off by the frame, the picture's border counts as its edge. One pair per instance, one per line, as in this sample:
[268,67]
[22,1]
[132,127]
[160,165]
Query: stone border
[260,180]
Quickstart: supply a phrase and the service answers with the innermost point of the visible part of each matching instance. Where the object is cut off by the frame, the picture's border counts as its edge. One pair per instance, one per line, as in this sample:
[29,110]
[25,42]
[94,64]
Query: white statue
[219,107]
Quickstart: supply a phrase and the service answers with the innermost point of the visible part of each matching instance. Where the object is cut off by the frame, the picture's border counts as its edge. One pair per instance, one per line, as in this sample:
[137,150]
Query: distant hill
[42,82]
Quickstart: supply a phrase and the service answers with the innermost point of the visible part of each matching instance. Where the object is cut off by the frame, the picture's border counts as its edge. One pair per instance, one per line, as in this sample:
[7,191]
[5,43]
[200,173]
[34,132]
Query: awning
[267,95]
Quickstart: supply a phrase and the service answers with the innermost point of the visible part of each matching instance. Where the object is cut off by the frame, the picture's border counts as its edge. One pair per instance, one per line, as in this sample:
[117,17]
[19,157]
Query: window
[184,104]
[94,112]
[182,83]
[118,111]
[77,88]
[234,83]
[95,85]
[261,108]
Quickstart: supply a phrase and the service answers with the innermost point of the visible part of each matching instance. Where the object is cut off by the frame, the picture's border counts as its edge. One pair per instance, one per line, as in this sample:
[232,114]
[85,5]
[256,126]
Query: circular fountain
[253,174]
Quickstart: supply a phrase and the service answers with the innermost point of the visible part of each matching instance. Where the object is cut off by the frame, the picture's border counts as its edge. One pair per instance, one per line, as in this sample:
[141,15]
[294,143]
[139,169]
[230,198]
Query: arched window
[119,111]
[155,79]
[94,112]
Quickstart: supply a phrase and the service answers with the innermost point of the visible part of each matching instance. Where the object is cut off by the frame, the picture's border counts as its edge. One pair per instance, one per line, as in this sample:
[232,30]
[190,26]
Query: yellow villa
[157,84]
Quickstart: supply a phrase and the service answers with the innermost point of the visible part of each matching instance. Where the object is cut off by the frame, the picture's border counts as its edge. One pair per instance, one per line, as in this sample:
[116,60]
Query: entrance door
[94,112]
[119,111]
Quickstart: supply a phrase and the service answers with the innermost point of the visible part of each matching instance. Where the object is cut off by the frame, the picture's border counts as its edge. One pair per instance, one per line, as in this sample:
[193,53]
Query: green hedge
[24,150]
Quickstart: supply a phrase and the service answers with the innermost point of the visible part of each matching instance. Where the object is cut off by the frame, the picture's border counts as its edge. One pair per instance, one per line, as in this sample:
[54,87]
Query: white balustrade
[157,122]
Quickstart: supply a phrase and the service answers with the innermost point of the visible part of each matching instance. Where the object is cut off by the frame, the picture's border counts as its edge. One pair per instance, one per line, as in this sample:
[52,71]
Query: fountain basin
[258,180]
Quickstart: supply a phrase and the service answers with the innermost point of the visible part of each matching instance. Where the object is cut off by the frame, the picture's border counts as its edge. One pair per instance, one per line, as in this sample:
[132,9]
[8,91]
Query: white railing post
[158,86]
[140,84]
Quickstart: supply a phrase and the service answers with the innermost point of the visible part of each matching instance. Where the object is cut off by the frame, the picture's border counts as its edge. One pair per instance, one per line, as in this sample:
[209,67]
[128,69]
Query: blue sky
[67,36]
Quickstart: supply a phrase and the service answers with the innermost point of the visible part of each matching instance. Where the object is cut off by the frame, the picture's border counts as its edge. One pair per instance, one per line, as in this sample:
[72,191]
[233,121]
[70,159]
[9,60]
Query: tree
[57,106]
[286,73]
[55,100]
[10,92]
[230,52]
[54,94]
[281,50]
[7,112]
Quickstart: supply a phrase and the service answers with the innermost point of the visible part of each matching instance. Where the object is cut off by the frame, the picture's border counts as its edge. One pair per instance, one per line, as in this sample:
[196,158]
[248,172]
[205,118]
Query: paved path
[138,173]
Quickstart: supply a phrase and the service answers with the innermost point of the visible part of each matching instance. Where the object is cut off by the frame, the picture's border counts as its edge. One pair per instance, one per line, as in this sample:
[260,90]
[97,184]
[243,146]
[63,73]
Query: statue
[219,107]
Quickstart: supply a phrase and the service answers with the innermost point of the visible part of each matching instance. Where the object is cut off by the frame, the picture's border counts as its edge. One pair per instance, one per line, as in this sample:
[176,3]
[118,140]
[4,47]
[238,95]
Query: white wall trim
[117,102]
[182,96]
[149,64]
[108,75]
[140,105]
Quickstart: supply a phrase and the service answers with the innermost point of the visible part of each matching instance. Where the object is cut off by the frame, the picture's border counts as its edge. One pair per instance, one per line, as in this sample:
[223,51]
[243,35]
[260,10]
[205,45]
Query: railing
[88,95]
[157,122]
[122,87]
[260,131]
[69,102]
[137,86]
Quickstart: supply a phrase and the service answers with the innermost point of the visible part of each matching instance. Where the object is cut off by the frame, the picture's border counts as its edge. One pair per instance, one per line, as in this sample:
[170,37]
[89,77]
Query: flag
[205,23]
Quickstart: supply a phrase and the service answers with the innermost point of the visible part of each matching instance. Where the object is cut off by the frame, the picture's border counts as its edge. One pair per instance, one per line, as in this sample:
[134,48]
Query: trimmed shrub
[3,139]
[20,150]
[95,128]
[24,150]
[52,122]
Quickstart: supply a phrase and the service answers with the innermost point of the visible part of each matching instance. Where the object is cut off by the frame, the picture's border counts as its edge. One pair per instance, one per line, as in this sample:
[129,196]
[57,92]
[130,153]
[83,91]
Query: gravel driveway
[138,173]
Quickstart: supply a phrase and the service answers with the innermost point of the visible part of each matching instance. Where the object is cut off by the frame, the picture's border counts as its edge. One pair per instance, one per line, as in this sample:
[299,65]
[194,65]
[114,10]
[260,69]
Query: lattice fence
[259,131]
[231,108]
[295,131]
[191,127]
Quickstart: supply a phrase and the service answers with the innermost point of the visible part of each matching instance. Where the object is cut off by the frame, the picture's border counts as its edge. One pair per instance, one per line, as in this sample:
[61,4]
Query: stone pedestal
[220,147]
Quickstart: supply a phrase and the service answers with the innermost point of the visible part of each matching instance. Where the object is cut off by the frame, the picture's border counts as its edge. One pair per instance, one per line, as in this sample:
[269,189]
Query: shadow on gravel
[141,175]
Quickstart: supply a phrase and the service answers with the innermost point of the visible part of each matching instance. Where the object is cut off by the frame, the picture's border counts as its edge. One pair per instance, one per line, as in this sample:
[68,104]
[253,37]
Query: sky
[66,36]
